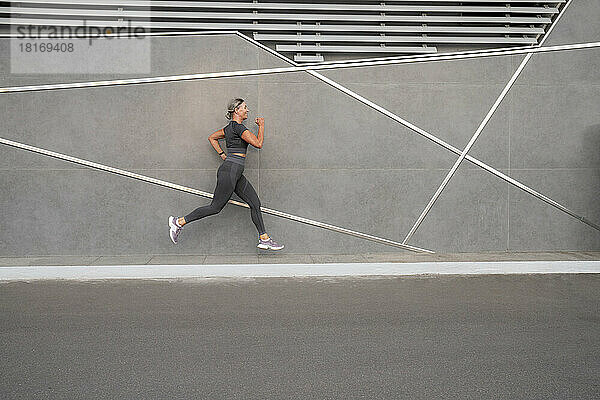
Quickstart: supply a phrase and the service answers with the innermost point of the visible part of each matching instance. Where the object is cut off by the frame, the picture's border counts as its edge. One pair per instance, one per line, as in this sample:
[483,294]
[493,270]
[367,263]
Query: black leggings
[229,180]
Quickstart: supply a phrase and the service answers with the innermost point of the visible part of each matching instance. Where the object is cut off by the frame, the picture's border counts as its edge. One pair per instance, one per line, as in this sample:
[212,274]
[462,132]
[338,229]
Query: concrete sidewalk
[281,265]
[283,258]
[237,271]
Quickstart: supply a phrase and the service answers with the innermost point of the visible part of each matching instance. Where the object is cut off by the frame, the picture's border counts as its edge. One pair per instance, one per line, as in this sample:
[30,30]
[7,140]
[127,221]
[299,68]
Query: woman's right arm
[253,140]
[214,141]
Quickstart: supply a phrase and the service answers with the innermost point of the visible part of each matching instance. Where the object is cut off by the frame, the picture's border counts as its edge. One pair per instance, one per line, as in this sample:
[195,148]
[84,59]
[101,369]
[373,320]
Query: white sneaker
[174,229]
[269,244]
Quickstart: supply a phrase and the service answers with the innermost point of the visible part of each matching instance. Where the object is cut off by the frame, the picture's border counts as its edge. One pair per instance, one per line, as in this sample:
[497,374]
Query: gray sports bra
[233,138]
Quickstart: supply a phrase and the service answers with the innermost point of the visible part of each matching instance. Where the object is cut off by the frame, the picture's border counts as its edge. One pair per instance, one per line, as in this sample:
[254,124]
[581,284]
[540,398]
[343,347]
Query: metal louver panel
[312,29]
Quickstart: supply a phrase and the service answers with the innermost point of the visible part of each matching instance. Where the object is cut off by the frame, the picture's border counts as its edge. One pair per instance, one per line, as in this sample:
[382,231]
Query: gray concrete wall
[326,156]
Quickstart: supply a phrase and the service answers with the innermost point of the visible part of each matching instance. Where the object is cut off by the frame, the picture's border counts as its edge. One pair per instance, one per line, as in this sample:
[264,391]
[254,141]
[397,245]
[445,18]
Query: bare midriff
[239,154]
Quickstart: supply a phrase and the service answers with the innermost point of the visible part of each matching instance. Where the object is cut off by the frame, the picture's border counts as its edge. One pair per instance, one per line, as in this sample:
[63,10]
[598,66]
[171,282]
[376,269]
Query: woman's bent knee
[216,208]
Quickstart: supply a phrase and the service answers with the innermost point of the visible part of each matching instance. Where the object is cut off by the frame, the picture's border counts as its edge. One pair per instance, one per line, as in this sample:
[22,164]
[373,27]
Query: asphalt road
[477,337]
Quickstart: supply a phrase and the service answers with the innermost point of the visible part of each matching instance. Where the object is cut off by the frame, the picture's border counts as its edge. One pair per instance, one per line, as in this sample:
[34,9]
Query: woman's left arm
[214,141]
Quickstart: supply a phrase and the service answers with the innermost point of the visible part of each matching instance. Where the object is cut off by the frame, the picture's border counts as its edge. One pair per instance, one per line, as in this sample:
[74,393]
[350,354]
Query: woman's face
[242,110]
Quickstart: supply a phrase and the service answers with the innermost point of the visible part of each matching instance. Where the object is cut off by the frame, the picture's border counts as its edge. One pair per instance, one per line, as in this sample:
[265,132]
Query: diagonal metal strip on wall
[297,68]
[186,189]
[463,154]
[480,129]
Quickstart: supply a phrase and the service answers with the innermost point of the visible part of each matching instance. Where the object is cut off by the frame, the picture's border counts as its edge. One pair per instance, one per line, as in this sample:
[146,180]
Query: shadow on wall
[591,140]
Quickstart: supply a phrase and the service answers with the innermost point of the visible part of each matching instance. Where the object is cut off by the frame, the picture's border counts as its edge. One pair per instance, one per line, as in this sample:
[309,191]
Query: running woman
[230,176]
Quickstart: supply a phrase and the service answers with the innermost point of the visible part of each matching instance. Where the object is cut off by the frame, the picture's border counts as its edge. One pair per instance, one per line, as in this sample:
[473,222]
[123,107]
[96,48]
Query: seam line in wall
[510,111]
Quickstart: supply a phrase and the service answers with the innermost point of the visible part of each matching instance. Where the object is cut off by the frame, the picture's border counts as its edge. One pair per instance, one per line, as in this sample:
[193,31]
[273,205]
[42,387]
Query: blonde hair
[233,104]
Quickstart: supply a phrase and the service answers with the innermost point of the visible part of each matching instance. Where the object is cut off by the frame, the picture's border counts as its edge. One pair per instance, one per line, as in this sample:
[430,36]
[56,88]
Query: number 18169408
[46,47]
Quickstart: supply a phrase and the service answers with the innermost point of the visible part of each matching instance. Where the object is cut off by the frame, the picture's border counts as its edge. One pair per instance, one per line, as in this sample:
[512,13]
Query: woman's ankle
[264,236]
